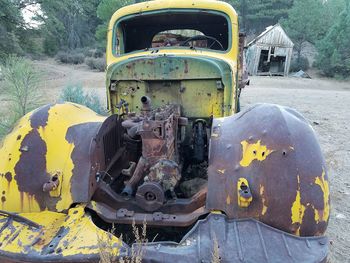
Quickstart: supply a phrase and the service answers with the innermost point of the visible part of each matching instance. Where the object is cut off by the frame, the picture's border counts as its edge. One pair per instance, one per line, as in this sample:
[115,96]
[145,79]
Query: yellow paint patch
[221,171]
[298,209]
[262,190]
[216,212]
[251,152]
[323,215]
[228,200]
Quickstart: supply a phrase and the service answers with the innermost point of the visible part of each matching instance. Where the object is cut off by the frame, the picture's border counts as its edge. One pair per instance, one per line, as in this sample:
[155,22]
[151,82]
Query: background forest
[75,31]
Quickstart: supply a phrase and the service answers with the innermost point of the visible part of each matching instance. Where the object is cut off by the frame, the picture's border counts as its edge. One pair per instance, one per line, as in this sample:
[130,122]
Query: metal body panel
[174,79]
[276,151]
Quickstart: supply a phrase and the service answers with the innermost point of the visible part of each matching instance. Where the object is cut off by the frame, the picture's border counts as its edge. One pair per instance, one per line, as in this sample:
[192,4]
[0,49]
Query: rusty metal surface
[245,240]
[157,129]
[104,194]
[125,216]
[276,151]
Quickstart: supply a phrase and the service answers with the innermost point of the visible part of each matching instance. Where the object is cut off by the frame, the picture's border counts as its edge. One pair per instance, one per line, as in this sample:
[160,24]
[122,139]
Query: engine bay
[161,174]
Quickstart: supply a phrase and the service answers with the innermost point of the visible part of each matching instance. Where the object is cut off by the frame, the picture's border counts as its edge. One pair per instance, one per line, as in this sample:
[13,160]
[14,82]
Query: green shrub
[62,57]
[20,88]
[20,84]
[76,94]
[71,57]
[77,58]
[7,121]
[301,64]
[96,63]
[94,53]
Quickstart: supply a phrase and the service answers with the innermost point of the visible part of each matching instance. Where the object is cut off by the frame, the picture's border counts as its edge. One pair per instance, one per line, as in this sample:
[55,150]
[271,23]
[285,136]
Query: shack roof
[273,36]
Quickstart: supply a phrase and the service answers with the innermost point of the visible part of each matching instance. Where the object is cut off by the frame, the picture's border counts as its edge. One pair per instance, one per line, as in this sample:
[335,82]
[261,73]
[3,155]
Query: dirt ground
[57,76]
[325,103]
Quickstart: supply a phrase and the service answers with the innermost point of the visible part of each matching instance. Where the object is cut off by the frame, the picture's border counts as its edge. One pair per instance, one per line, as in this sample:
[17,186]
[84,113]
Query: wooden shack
[270,53]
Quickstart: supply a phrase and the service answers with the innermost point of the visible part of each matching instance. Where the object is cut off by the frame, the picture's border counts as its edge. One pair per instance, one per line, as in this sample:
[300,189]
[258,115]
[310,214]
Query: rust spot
[81,136]
[40,117]
[19,137]
[31,168]
[186,67]
[8,177]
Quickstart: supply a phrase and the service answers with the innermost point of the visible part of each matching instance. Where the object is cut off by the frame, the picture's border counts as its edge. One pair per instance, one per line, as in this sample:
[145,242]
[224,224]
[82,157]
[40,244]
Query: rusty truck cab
[174,52]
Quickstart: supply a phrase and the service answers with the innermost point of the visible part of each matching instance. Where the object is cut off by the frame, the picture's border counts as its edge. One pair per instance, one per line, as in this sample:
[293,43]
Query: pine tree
[105,10]
[256,15]
[334,49]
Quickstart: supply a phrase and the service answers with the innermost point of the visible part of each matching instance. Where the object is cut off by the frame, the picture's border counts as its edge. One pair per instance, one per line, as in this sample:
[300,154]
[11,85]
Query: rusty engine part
[200,141]
[158,167]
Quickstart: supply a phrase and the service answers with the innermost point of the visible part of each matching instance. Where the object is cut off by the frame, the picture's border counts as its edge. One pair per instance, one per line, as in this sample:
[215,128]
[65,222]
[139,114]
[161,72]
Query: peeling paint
[298,210]
[251,152]
[323,215]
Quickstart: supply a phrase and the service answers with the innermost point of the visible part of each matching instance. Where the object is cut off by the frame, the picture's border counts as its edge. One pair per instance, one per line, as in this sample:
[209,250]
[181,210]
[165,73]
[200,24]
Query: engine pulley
[150,196]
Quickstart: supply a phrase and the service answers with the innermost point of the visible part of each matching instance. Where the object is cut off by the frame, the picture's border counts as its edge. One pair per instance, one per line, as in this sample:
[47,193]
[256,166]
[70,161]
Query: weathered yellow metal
[62,235]
[39,147]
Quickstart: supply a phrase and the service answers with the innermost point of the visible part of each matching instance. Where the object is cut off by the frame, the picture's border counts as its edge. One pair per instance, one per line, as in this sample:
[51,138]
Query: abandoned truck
[207,182]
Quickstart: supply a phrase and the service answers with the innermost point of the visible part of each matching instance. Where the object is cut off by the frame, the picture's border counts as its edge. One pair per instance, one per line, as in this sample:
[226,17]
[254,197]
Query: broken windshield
[179,29]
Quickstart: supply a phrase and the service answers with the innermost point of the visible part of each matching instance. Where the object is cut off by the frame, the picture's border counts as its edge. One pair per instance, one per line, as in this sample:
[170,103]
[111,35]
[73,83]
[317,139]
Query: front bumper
[214,239]
[244,240]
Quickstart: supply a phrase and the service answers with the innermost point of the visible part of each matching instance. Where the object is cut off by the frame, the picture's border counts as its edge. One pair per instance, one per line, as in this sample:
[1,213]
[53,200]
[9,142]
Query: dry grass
[137,252]
[215,258]
[106,249]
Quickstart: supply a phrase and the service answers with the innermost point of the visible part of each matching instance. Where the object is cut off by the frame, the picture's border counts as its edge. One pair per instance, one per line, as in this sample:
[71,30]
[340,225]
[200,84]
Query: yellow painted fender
[52,143]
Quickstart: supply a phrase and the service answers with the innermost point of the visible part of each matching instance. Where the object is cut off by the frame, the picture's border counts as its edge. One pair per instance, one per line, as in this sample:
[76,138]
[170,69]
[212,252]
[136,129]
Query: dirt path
[57,76]
[326,104]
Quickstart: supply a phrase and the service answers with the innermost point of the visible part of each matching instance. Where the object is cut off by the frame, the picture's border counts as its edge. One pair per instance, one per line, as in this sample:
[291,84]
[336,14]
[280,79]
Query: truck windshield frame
[120,39]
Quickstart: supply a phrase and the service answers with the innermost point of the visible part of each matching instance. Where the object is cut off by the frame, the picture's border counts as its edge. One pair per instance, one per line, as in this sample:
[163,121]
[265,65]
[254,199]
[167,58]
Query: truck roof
[210,5]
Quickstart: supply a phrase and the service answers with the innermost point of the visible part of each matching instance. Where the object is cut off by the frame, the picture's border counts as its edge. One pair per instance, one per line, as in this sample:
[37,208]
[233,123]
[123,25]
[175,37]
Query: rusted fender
[275,152]
[58,237]
[46,161]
